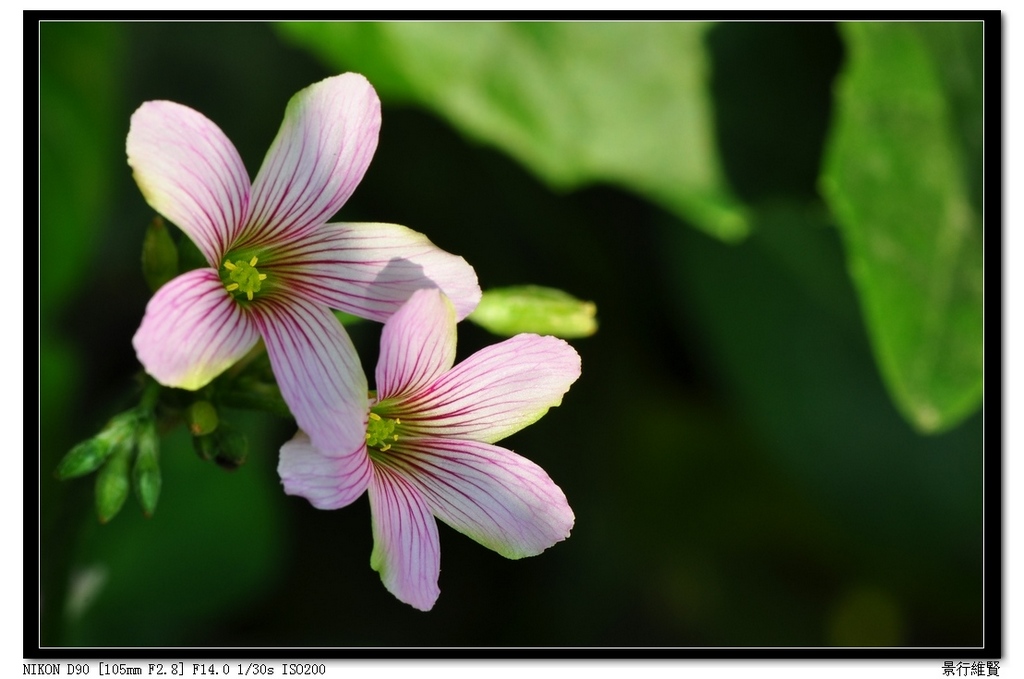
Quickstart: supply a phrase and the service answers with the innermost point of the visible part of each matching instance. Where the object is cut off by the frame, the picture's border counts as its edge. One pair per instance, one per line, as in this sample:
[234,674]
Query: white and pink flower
[428,448]
[276,267]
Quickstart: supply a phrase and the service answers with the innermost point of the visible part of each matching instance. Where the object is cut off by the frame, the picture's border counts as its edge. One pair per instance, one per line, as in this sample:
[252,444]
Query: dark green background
[738,472]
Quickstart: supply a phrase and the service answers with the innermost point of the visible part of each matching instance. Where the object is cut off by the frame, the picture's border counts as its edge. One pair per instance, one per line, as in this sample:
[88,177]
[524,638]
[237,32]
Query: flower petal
[192,331]
[318,371]
[406,548]
[417,344]
[494,393]
[371,269]
[189,172]
[316,161]
[327,482]
[500,499]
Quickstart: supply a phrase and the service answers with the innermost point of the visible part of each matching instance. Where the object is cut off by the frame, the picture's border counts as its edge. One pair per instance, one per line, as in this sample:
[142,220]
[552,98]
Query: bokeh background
[777,436]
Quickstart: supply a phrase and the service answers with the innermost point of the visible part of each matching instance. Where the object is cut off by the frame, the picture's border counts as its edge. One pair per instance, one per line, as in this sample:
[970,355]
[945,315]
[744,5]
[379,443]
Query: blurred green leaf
[904,508]
[623,103]
[79,145]
[159,255]
[903,177]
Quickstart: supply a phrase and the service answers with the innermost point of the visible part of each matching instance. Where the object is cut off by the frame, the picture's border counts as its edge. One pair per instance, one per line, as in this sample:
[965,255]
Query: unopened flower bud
[535,309]
[232,448]
[202,418]
[89,455]
[205,446]
[227,446]
[112,484]
[159,255]
[146,473]
[84,458]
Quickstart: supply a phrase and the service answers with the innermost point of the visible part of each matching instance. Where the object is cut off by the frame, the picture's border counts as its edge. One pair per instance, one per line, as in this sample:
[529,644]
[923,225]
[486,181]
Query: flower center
[380,432]
[244,276]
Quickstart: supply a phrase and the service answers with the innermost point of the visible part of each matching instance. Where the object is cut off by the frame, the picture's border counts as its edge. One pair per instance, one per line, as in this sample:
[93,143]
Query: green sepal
[112,483]
[159,255]
[89,455]
[535,309]
[146,472]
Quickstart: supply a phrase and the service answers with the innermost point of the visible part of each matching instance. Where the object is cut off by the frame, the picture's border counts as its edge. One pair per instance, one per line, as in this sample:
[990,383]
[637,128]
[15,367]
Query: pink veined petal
[189,172]
[318,371]
[500,499]
[371,269]
[327,482]
[325,144]
[494,393]
[192,331]
[406,548]
[417,344]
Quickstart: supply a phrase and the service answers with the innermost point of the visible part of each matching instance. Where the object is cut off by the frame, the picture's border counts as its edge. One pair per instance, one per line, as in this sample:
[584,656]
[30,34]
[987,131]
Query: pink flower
[276,267]
[428,449]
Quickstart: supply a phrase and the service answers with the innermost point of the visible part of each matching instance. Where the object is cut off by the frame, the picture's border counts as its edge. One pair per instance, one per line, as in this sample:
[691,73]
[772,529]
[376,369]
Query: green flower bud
[112,484]
[84,458]
[89,455]
[532,308]
[227,446]
[146,473]
[205,446]
[202,418]
[159,255]
[232,448]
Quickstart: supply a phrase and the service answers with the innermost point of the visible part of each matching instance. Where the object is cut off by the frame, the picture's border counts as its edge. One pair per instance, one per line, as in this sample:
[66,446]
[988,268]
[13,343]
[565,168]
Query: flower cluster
[422,444]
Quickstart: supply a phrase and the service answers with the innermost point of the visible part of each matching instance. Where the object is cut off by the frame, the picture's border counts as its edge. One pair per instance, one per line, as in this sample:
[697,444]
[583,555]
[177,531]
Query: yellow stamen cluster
[246,278]
[380,432]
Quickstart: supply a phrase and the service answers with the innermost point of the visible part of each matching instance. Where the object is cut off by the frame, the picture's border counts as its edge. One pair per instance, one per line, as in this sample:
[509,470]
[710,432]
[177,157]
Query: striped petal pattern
[327,482]
[189,172]
[494,393]
[192,331]
[320,154]
[318,371]
[370,270]
[417,344]
[500,499]
[406,547]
